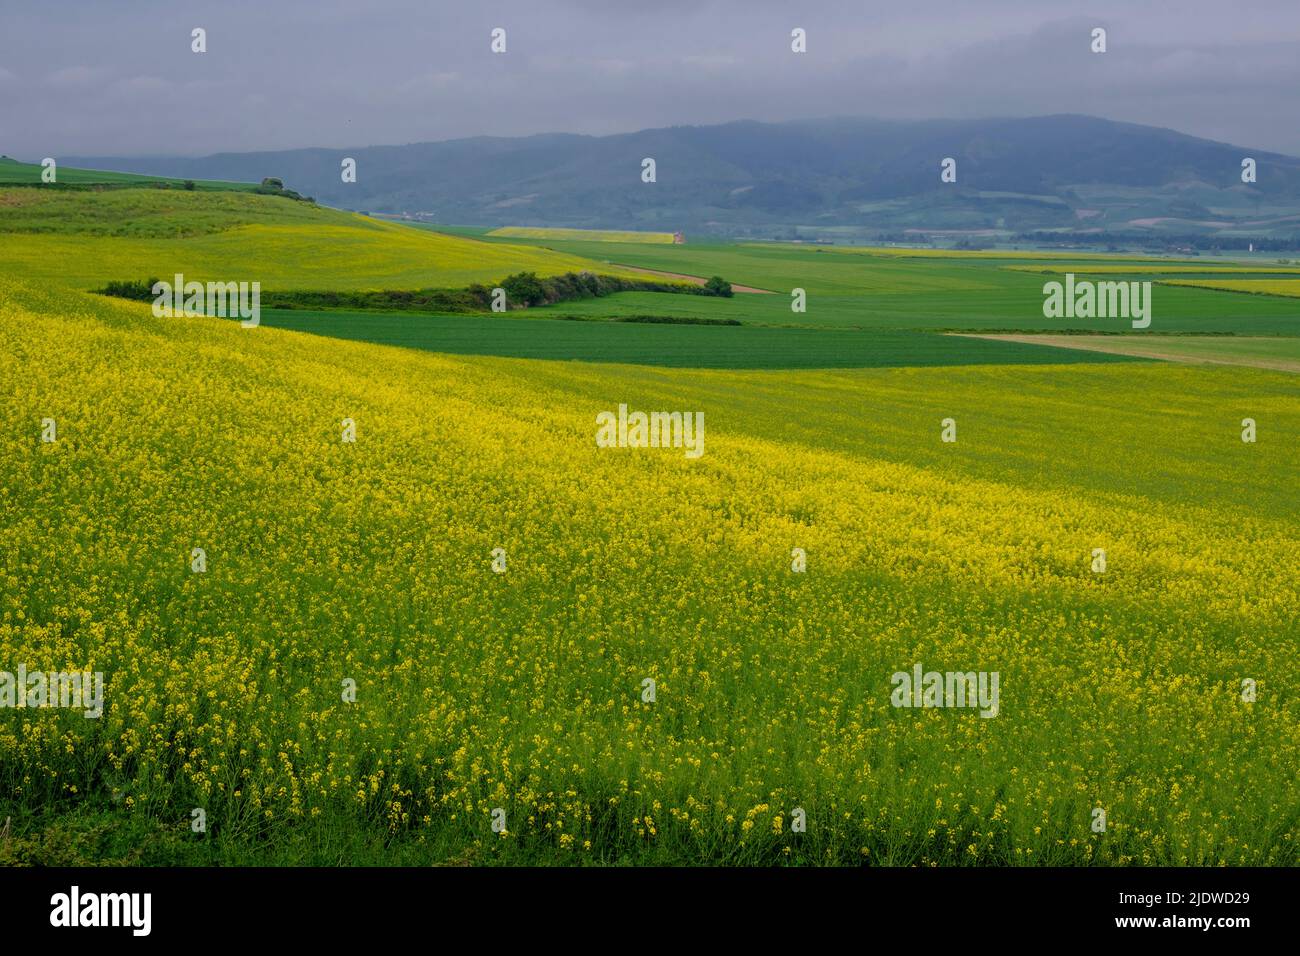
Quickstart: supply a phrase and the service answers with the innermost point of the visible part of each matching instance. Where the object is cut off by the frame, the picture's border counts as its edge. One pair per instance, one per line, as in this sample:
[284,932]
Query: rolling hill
[84,239]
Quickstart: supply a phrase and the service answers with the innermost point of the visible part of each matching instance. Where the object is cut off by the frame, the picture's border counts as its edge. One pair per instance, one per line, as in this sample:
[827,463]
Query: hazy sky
[100,77]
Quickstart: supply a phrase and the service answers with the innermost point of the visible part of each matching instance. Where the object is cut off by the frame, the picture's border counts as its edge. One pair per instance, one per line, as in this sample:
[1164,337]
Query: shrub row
[523,289]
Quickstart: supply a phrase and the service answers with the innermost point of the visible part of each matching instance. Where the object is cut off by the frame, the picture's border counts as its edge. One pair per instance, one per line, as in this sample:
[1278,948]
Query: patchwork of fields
[598,235]
[917,289]
[524,691]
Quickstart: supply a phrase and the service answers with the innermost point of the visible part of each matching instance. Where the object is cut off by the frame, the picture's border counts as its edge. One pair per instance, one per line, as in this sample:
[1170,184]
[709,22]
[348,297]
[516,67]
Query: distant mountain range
[815,178]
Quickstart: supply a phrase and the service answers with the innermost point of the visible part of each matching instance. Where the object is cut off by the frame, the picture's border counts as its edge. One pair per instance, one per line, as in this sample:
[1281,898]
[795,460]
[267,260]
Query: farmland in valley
[595,235]
[669,344]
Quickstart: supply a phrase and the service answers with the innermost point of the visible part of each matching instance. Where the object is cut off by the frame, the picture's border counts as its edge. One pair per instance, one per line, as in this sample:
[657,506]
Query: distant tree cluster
[139,290]
[526,289]
[718,286]
[274,186]
[523,290]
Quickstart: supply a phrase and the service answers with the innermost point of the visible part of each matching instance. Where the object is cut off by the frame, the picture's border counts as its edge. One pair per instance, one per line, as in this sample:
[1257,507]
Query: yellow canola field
[1287,287]
[525,691]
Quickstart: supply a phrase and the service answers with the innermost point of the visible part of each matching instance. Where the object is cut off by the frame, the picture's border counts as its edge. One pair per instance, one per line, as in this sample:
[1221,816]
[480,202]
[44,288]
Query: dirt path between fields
[1099,343]
[694,280]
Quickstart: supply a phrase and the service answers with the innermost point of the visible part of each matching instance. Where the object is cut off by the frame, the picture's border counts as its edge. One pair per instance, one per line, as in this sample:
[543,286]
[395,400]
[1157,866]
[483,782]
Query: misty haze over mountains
[814,178]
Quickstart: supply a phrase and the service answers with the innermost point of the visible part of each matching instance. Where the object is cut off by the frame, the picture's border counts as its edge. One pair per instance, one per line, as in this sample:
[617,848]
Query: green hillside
[85,239]
[14,172]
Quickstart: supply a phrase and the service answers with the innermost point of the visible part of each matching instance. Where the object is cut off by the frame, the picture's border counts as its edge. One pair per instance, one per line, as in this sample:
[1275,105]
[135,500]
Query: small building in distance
[678,238]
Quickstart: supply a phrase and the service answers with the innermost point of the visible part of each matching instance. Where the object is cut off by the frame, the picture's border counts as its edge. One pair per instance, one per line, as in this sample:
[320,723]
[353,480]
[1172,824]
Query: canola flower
[371,562]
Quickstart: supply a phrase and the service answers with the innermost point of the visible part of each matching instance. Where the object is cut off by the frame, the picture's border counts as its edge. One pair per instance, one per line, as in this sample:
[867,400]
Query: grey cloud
[88,77]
